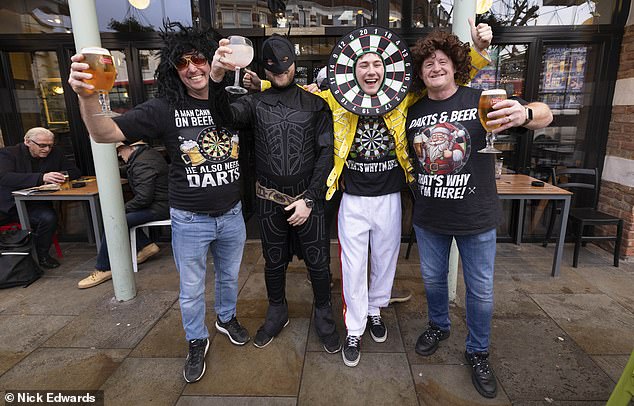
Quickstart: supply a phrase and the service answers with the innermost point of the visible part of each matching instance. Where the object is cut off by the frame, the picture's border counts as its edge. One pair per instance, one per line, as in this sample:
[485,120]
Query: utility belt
[275,196]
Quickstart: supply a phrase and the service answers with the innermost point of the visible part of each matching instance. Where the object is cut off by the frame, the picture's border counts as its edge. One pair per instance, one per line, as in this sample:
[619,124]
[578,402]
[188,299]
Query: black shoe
[47,261]
[482,375]
[352,351]
[195,365]
[276,319]
[378,331]
[331,343]
[237,334]
[326,329]
[427,343]
[263,338]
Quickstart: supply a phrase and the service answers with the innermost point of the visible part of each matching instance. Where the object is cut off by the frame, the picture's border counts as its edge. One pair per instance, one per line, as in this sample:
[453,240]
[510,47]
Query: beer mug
[192,155]
[66,185]
[103,71]
[487,99]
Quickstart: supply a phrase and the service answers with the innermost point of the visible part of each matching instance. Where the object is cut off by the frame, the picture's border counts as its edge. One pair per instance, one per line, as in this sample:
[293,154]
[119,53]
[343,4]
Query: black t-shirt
[372,168]
[204,174]
[455,184]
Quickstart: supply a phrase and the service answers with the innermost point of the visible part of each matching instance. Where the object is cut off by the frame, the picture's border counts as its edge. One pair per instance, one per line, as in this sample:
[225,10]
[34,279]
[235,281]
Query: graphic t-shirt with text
[372,168]
[455,185]
[204,170]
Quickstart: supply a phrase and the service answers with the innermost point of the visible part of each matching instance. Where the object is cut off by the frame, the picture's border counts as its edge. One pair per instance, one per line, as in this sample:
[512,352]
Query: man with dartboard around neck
[369,74]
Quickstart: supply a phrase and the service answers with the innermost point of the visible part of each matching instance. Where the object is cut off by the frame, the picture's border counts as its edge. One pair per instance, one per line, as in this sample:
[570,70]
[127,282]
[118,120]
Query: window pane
[438,13]
[566,86]
[120,93]
[293,13]
[149,62]
[39,94]
[46,16]
[34,17]
[550,12]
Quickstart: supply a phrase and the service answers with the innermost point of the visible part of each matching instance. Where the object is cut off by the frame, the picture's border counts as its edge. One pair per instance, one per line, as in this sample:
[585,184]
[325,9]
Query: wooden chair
[584,217]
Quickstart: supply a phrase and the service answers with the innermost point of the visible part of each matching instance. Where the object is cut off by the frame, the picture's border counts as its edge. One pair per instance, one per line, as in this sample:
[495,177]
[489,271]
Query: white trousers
[375,220]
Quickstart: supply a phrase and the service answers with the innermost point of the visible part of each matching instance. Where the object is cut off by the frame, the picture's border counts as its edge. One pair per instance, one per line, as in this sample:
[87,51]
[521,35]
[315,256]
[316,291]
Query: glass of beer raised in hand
[241,57]
[487,99]
[101,66]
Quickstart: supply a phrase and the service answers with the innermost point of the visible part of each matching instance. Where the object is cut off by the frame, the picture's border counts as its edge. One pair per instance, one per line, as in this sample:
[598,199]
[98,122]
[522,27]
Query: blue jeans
[477,253]
[193,234]
[134,218]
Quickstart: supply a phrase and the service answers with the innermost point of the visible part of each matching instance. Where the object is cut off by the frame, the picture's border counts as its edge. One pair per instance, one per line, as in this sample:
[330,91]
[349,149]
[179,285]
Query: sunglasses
[42,146]
[184,61]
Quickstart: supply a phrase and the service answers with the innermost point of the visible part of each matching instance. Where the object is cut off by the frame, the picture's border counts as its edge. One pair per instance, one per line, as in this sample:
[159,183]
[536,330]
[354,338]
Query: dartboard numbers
[397,70]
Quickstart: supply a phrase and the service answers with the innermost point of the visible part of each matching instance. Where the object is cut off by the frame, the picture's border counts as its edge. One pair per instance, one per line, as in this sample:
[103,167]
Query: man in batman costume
[294,154]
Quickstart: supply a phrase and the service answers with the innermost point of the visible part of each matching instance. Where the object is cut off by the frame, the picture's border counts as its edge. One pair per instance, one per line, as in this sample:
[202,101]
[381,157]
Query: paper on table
[49,187]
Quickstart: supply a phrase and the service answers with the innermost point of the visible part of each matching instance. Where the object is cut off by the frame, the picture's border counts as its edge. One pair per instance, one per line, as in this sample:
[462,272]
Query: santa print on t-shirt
[455,185]
[205,153]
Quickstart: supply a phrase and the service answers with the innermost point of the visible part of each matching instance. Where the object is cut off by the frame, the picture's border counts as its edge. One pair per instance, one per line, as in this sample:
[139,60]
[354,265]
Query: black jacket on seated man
[26,165]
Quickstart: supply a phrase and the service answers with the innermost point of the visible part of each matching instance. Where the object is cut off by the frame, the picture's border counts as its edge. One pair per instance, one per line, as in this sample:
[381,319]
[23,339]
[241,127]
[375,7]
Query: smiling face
[437,72]
[195,78]
[369,72]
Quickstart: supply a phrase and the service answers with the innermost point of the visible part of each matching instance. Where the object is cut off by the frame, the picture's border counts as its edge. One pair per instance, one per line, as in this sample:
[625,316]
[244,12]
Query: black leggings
[277,238]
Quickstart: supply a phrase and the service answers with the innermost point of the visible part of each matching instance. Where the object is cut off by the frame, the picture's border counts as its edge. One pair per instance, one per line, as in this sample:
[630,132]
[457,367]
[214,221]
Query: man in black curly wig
[204,186]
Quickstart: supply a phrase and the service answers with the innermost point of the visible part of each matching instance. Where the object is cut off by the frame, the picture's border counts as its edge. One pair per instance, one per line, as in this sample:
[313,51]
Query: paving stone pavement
[560,341]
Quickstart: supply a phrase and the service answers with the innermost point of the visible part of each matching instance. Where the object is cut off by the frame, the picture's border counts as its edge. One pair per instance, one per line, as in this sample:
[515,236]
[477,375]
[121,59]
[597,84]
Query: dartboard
[372,140]
[397,63]
[215,144]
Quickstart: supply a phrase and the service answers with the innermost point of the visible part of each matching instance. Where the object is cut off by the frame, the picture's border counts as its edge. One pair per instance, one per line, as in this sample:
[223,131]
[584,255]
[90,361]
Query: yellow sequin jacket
[345,126]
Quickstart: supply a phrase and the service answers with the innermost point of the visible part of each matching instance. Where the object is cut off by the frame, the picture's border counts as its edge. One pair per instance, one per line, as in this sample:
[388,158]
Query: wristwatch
[310,203]
[529,116]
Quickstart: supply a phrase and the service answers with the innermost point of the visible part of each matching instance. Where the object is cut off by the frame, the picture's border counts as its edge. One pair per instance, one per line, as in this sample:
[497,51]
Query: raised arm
[100,128]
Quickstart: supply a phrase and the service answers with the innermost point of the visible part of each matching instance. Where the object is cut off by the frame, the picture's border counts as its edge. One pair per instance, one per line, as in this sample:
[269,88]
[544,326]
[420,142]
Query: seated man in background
[32,163]
[146,171]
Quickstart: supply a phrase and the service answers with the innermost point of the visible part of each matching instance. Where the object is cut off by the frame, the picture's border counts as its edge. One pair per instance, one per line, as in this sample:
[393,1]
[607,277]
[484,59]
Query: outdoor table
[518,187]
[88,193]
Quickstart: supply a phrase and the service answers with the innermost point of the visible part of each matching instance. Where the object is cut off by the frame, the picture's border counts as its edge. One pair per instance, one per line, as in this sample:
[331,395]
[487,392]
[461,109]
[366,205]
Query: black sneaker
[352,351]
[378,331]
[195,365]
[427,343]
[482,375]
[237,334]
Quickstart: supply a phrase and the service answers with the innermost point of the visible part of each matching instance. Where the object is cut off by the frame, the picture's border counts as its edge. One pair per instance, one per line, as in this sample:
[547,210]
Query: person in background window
[146,171]
[32,163]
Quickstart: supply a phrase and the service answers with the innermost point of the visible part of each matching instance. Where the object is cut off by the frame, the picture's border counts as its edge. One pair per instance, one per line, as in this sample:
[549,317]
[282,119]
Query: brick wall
[617,198]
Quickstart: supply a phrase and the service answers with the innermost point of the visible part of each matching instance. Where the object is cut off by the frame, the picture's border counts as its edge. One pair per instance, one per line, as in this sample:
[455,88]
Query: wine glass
[103,71]
[241,57]
[487,99]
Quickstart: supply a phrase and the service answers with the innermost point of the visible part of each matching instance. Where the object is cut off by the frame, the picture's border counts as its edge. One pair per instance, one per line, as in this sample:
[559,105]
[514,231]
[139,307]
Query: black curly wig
[451,45]
[179,40]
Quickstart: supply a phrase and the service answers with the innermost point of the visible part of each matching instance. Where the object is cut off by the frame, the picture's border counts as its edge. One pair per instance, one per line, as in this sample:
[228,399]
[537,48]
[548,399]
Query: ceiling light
[140,4]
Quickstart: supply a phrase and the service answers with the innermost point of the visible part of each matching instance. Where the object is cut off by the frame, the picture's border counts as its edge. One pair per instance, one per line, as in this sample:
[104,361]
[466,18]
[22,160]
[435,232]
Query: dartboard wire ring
[214,144]
[372,142]
[369,39]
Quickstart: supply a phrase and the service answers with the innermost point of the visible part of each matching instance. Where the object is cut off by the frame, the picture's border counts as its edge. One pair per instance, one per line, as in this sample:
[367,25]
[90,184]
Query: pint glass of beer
[487,99]
[101,66]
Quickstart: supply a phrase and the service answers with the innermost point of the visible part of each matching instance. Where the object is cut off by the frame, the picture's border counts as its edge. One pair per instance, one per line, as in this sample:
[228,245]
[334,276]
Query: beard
[436,151]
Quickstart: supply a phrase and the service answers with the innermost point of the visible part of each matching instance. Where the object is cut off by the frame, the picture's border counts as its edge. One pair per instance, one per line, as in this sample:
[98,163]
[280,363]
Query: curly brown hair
[451,45]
